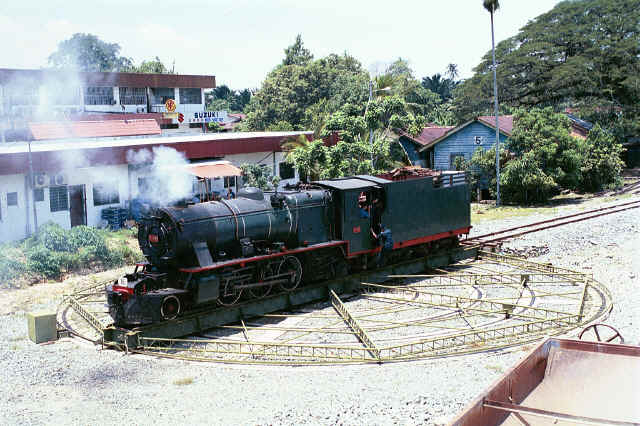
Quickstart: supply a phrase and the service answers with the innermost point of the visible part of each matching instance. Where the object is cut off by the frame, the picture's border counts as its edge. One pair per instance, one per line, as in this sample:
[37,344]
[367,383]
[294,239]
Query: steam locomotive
[222,252]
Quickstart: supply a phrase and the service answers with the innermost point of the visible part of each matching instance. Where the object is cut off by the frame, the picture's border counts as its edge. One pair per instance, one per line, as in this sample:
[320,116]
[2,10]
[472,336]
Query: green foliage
[214,127]
[301,84]
[297,54]
[224,99]
[316,161]
[523,181]
[602,164]
[481,169]
[547,136]
[153,66]
[440,86]
[86,52]
[11,264]
[584,53]
[547,159]
[53,251]
[258,176]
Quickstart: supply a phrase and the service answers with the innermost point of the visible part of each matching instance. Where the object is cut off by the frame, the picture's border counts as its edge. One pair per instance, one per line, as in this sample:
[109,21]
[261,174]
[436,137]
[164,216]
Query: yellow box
[42,326]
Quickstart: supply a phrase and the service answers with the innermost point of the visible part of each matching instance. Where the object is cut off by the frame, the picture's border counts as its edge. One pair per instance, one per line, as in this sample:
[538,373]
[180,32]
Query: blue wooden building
[462,141]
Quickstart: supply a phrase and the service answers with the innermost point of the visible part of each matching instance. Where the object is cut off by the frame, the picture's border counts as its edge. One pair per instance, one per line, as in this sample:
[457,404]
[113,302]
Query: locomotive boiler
[220,252]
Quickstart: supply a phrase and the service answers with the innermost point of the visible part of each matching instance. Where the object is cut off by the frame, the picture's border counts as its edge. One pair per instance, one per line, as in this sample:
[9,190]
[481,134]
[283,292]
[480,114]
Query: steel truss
[495,302]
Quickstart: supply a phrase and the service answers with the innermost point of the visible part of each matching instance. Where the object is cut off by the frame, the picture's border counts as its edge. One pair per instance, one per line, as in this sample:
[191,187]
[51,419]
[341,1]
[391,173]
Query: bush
[11,268]
[43,261]
[603,163]
[523,181]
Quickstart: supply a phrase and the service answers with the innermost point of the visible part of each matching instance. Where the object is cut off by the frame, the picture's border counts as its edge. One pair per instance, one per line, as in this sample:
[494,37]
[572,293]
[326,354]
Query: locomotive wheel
[170,307]
[290,265]
[260,292]
[229,294]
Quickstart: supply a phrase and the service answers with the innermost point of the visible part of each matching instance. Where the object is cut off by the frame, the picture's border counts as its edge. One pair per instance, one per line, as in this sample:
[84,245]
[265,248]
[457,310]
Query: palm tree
[492,6]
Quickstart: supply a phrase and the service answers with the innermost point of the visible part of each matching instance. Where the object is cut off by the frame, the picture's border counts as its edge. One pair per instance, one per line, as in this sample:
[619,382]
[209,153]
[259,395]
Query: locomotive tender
[222,251]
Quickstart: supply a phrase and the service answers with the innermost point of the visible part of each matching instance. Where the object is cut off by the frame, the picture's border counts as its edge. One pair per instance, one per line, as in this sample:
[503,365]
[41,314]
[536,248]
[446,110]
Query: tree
[86,52]
[154,66]
[582,54]
[297,54]
[547,136]
[316,161]
[222,98]
[304,95]
[258,176]
[602,164]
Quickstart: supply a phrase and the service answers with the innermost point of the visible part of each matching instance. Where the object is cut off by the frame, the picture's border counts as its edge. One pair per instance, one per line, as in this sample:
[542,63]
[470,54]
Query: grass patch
[184,381]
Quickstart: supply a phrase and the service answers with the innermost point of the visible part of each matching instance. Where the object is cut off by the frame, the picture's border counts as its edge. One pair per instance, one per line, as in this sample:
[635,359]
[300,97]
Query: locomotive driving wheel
[265,274]
[292,267]
[229,294]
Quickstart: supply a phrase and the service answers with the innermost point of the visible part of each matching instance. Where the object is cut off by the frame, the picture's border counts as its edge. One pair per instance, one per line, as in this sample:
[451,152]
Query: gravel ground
[72,382]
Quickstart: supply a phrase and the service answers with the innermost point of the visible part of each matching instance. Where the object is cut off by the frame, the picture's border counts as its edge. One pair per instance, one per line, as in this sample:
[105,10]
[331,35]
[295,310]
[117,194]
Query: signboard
[170,105]
[209,117]
[171,115]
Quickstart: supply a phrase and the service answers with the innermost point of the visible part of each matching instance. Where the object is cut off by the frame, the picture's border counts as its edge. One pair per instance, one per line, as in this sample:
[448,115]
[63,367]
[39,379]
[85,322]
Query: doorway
[77,205]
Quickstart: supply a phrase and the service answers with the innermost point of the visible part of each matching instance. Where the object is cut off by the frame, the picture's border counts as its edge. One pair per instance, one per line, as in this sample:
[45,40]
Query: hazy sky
[241,41]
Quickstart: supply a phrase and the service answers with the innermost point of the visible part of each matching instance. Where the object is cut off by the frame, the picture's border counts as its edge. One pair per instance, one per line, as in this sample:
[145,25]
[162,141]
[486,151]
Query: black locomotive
[223,251]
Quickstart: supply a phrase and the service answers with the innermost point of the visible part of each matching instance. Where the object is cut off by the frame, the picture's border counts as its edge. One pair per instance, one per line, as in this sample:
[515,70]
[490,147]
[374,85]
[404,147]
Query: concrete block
[42,326]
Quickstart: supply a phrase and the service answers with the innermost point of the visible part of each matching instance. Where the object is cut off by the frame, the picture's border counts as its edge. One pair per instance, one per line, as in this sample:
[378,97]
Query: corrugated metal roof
[505,122]
[93,129]
[62,145]
[345,184]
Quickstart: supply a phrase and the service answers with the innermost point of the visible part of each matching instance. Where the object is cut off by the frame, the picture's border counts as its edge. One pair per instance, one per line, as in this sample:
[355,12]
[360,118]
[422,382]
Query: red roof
[505,122]
[429,134]
[93,129]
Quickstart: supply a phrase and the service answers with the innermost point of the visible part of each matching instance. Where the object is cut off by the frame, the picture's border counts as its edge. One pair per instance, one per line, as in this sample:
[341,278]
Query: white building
[74,180]
[47,95]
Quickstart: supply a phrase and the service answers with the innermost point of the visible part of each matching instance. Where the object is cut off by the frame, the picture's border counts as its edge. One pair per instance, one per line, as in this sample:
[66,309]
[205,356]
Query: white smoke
[166,174]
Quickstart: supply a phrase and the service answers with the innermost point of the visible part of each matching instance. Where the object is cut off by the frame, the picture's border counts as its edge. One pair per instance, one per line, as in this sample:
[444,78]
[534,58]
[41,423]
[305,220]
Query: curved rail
[549,223]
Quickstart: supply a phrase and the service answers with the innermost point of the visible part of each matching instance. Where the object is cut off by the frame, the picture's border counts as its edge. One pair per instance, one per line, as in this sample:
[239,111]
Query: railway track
[471,306]
[493,238]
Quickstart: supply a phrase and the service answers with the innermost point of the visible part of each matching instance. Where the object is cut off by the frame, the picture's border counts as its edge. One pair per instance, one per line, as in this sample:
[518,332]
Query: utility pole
[495,102]
[30,194]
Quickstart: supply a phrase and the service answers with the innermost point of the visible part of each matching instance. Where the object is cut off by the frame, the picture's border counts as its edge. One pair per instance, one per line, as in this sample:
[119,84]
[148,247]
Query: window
[105,193]
[58,198]
[161,94]
[38,194]
[190,96]
[133,96]
[12,198]
[98,95]
[287,171]
[229,181]
[452,163]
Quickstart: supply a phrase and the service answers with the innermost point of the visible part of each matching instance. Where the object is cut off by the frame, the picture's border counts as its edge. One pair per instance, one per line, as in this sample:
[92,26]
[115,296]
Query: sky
[240,41]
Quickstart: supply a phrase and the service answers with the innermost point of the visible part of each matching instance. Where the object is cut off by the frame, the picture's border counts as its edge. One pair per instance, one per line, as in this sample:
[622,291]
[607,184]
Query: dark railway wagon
[223,251]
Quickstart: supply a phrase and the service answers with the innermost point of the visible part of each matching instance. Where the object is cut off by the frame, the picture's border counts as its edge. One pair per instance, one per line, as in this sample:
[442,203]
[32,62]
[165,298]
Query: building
[75,179]
[437,147]
[51,95]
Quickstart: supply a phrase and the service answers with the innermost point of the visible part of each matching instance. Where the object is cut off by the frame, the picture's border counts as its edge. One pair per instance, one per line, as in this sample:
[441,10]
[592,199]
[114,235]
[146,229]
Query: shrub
[603,163]
[11,267]
[53,237]
[45,262]
[523,181]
